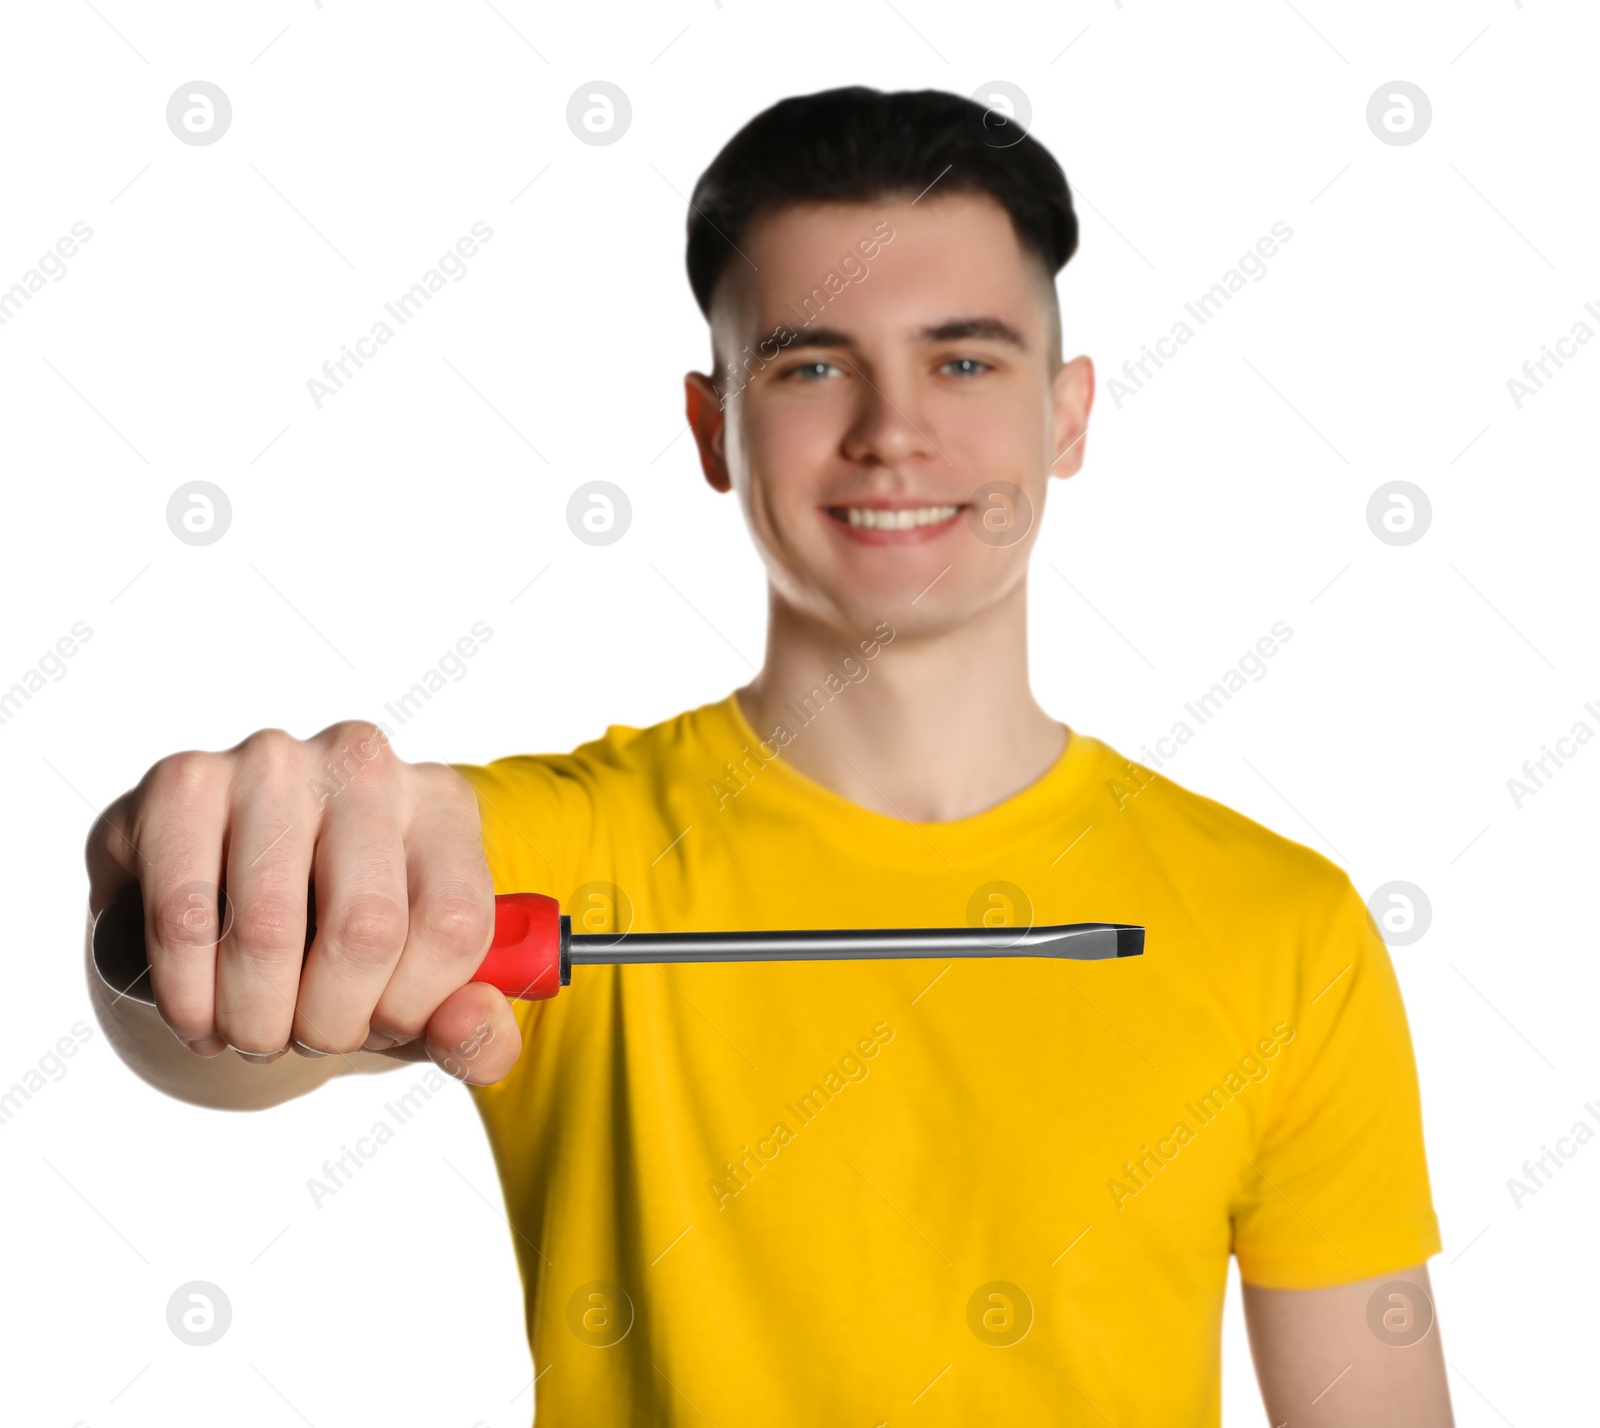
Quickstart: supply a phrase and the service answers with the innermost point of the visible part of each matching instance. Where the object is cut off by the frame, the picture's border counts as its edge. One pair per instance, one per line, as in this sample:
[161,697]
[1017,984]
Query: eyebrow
[991,328]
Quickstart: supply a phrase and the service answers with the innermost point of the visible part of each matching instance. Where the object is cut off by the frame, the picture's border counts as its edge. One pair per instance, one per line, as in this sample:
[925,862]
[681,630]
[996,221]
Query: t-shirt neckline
[1053,797]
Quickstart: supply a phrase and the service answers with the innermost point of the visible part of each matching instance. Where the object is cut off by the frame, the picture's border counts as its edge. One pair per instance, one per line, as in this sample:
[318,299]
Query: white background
[368,536]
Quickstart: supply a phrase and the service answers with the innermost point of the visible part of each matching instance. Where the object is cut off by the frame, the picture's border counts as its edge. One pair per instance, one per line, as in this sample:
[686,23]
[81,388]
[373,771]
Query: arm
[154,1054]
[1321,1365]
[405,913]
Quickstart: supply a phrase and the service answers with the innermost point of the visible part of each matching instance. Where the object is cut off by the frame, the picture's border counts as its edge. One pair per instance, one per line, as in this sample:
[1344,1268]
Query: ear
[1071,397]
[708,422]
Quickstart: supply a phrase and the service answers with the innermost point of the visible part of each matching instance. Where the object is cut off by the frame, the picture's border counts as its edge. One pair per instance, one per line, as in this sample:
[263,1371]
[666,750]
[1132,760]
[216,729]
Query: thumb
[473,1035]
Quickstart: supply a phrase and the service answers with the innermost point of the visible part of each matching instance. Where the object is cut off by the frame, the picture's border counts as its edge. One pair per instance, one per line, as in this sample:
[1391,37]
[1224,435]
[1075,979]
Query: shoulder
[626,772]
[1217,856]
[622,752]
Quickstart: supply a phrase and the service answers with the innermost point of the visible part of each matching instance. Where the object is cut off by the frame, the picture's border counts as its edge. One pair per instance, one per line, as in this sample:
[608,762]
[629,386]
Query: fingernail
[261,1058]
[378,1042]
[206,1045]
[301,1049]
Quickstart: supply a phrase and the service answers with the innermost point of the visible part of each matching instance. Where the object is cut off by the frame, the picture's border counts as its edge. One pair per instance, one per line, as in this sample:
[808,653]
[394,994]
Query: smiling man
[871,1192]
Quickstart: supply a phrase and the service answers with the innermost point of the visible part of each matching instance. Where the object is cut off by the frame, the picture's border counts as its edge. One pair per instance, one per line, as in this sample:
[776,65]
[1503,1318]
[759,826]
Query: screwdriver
[535,949]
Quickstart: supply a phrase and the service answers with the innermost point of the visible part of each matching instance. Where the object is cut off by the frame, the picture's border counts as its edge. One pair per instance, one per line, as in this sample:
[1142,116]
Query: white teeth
[876,518]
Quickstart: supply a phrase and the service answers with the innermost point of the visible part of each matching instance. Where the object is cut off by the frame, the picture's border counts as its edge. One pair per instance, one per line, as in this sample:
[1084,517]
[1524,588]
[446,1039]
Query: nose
[887,428]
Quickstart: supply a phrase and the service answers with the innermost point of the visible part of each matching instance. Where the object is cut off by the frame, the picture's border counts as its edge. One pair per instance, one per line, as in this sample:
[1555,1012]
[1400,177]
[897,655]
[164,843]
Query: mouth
[882,523]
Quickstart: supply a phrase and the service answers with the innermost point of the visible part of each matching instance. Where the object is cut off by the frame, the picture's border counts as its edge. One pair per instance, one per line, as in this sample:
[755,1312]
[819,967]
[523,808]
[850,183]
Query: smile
[885,525]
[884,518]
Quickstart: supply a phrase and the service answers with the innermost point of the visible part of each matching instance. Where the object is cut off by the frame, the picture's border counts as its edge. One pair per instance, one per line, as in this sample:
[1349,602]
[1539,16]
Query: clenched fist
[404,901]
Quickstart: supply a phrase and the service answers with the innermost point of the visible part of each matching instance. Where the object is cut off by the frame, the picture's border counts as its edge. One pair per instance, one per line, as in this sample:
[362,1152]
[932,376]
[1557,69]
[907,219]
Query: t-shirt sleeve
[1338,1188]
[537,813]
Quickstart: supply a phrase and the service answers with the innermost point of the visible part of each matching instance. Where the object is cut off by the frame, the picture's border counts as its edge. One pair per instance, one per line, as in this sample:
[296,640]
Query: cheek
[787,449]
[998,439]
[794,436]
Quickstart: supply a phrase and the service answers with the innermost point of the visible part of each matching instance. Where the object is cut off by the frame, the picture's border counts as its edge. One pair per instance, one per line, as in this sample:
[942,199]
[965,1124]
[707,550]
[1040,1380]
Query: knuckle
[269,929]
[370,928]
[272,756]
[180,779]
[186,919]
[364,738]
[270,744]
[353,753]
[459,921]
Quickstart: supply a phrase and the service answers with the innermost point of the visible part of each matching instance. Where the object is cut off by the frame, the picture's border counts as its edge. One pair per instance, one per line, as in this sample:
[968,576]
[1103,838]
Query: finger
[474,1036]
[109,852]
[451,919]
[273,820]
[360,873]
[179,825]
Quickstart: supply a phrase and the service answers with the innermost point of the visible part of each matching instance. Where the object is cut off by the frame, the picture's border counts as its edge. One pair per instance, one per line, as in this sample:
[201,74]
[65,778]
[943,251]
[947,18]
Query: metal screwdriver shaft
[1081,941]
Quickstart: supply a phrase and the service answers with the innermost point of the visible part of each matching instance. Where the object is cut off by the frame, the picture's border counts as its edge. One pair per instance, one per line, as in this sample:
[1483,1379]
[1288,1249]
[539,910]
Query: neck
[930,728]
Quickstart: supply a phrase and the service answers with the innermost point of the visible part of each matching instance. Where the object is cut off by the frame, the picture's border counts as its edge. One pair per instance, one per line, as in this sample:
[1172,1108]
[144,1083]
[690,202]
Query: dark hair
[856,144]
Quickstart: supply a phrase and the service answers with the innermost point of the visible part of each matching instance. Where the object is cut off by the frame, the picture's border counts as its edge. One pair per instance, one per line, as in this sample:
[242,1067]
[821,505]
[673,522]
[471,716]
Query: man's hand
[404,905]
[1332,1358]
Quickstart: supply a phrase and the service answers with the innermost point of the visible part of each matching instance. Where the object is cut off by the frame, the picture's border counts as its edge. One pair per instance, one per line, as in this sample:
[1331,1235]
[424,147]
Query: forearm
[226,1082]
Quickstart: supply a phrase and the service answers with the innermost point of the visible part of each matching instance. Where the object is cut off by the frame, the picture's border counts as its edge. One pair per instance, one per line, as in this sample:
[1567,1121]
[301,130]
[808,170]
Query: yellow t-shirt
[941,1191]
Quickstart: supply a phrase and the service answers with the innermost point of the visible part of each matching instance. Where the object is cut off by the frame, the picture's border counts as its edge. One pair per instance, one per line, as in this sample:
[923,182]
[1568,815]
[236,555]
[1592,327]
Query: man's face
[887,407]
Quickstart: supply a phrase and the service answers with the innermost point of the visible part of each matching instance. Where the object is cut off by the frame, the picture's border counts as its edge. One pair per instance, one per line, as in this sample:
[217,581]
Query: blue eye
[971,363]
[810,369]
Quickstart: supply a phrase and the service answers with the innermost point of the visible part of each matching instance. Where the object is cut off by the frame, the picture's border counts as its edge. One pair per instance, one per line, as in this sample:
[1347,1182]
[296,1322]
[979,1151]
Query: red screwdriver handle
[530,957]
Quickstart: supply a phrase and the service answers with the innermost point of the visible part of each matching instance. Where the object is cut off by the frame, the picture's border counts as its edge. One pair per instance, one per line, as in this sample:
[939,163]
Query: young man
[868,1192]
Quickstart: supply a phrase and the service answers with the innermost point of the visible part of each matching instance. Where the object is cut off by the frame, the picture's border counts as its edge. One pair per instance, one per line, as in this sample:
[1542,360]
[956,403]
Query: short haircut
[855,145]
